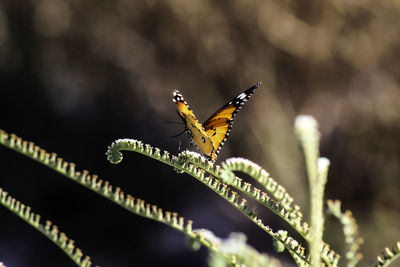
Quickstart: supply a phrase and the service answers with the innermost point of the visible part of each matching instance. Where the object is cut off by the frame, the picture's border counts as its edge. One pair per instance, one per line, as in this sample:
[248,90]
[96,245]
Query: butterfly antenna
[179,144]
[174,122]
[179,134]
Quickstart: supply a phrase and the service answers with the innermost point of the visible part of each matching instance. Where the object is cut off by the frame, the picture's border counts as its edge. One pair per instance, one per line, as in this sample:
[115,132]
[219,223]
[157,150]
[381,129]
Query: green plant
[222,180]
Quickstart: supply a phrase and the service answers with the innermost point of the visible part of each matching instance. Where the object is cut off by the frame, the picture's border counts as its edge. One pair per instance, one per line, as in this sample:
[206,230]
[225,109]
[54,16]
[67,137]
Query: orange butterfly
[211,135]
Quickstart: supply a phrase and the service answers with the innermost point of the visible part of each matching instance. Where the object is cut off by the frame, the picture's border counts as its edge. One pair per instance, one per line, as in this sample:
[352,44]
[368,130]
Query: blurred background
[76,75]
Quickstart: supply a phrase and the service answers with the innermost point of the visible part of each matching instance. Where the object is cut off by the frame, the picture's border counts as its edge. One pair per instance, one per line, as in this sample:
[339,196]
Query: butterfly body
[211,135]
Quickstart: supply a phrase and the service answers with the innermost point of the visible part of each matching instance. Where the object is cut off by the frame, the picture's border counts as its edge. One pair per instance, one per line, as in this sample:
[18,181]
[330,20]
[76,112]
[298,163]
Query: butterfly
[210,136]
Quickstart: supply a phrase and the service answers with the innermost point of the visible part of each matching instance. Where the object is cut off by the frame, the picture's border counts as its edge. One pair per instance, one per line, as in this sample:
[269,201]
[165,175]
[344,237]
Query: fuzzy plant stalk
[221,179]
[350,232]
[237,257]
[317,169]
[389,255]
[50,230]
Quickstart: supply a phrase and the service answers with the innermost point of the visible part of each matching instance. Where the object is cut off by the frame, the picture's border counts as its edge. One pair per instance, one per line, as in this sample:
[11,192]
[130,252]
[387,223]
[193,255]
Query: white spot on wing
[241,96]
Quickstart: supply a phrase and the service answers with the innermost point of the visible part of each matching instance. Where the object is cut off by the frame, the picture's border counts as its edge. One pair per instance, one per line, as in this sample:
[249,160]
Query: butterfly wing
[220,123]
[195,130]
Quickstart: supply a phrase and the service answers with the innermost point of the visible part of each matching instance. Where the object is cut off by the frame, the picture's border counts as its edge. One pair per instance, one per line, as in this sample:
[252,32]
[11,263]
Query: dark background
[76,75]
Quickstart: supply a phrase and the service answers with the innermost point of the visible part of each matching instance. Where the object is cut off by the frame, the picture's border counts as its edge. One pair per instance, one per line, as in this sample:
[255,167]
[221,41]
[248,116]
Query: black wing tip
[254,87]
[251,90]
[177,96]
[176,93]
